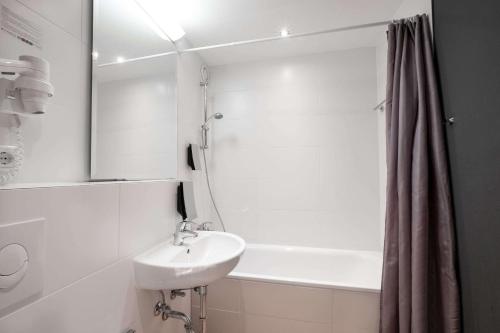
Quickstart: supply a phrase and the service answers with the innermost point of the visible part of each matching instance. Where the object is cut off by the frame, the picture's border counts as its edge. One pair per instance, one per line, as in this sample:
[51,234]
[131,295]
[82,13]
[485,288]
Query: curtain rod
[253,41]
[303,34]
[158,55]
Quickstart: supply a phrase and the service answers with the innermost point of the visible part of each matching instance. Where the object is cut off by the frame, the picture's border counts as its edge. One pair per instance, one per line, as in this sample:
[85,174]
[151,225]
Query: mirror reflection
[134,106]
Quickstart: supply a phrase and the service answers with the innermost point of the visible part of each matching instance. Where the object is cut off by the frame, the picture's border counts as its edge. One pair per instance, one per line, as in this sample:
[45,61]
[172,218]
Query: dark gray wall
[467,38]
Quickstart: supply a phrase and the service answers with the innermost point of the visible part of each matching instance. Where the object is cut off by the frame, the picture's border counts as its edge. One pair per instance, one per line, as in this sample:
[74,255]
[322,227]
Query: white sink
[198,262]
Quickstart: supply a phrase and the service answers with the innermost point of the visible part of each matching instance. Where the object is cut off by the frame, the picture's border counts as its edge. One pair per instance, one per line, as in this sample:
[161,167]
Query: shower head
[217,115]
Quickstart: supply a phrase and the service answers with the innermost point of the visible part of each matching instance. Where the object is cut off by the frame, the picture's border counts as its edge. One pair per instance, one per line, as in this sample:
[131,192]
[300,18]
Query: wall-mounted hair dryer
[30,91]
[24,89]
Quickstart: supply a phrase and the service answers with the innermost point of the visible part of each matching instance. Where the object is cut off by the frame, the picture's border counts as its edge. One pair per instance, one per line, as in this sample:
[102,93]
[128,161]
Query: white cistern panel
[22,249]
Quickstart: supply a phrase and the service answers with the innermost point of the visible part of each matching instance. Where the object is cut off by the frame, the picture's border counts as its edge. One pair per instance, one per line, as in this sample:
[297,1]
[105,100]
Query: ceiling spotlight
[120,59]
[284,32]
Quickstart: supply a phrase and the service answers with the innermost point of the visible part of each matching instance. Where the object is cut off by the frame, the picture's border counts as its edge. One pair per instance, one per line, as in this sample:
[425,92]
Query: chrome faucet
[182,232]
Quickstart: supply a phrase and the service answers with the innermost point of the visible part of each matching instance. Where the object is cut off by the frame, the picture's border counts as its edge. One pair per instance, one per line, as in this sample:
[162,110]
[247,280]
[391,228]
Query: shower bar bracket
[380,106]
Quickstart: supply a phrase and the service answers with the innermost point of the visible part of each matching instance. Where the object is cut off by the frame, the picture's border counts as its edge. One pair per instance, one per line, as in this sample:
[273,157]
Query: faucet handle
[183,226]
[205,226]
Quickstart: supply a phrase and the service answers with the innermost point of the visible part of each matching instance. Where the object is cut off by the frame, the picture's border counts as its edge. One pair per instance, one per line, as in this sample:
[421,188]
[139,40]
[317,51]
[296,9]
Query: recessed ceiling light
[120,59]
[284,32]
[95,55]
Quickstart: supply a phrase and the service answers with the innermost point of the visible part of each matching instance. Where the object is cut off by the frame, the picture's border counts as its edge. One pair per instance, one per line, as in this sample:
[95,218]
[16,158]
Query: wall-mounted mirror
[134,105]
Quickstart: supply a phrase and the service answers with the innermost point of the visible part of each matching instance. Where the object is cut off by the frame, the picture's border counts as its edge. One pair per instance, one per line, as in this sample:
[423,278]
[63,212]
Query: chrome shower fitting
[205,128]
[206,118]
[216,115]
[204,136]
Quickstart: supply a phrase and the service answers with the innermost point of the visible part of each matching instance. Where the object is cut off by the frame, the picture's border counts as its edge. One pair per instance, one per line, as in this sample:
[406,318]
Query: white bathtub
[296,290]
[314,267]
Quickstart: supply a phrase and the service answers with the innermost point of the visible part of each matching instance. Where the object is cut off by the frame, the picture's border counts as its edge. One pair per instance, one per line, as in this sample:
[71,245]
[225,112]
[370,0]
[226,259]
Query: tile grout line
[54,293]
[270,316]
[119,220]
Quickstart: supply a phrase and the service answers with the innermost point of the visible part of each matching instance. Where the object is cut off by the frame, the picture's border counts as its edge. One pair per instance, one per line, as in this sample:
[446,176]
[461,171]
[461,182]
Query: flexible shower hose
[210,191]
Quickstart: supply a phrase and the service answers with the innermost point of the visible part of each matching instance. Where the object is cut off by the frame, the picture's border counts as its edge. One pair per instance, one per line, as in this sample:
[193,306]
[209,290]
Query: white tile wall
[297,149]
[189,120]
[355,311]
[133,144]
[225,294]
[236,305]
[286,301]
[145,206]
[48,158]
[220,321]
[95,304]
[76,217]
[92,231]
[104,302]
[254,324]
[285,125]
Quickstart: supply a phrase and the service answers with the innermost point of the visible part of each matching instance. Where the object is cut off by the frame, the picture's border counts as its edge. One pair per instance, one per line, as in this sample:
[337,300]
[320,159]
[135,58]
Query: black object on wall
[186,205]
[193,156]
[467,39]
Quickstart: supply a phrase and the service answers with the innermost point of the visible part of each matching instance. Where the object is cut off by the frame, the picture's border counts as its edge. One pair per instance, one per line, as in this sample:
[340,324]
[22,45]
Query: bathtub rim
[236,275]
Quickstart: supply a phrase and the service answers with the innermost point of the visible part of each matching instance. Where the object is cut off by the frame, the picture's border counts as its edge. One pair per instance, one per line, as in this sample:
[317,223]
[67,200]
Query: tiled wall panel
[237,305]
[296,151]
[92,233]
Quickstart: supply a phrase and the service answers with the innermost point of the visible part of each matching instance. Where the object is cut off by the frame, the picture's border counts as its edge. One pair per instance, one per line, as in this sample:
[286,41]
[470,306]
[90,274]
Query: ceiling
[120,31]
[219,21]
[294,47]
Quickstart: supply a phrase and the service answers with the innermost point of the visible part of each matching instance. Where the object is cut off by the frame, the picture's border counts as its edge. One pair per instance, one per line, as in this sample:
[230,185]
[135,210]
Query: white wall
[92,233]
[57,143]
[136,128]
[295,157]
[93,230]
[381,83]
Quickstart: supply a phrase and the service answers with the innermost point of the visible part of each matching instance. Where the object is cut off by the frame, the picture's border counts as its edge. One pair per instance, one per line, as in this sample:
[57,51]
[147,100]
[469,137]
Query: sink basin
[198,262]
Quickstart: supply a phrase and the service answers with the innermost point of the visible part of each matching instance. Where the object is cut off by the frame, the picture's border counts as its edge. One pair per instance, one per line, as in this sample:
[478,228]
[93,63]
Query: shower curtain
[419,281]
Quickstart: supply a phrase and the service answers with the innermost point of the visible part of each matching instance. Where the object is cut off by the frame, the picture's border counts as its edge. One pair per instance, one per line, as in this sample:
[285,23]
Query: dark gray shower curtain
[419,282]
